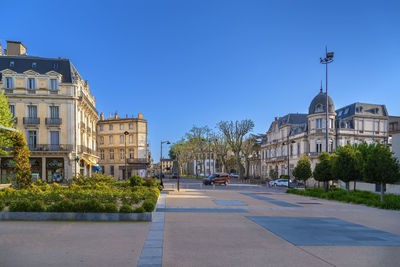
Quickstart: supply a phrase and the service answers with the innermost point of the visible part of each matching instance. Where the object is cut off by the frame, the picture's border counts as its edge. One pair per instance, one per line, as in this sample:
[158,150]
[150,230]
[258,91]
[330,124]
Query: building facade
[53,106]
[295,134]
[120,139]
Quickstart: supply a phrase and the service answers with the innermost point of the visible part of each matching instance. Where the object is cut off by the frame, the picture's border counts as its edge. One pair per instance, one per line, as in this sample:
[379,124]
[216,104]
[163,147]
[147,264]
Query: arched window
[319,108]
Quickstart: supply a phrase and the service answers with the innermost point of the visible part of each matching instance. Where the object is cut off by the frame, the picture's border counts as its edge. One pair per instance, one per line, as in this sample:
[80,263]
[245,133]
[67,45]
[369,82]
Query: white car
[279,182]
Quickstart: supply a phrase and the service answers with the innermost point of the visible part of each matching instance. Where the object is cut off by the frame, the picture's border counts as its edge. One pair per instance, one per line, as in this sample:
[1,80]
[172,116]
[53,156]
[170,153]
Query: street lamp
[328,59]
[288,156]
[161,174]
[126,173]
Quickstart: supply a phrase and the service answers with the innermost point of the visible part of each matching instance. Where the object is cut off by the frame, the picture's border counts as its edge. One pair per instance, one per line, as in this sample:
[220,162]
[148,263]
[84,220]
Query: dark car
[175,175]
[217,178]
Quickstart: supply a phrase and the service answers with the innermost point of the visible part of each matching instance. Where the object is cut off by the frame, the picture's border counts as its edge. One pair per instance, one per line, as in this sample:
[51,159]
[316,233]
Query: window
[102,154]
[112,170]
[291,150]
[54,140]
[110,139]
[53,84]
[101,128]
[376,126]
[121,126]
[319,108]
[9,83]
[101,140]
[131,139]
[331,123]
[131,153]
[32,139]
[298,149]
[11,63]
[110,127]
[34,64]
[32,111]
[55,66]
[360,125]
[121,154]
[319,123]
[31,83]
[54,112]
[212,156]
[12,110]
[282,151]
[130,126]
[318,146]
[359,109]
[112,154]
[121,139]
[346,111]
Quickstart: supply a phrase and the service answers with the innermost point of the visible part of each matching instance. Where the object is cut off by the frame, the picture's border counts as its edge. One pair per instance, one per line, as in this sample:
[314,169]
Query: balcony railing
[8,91]
[313,154]
[47,147]
[85,149]
[31,121]
[53,121]
[137,160]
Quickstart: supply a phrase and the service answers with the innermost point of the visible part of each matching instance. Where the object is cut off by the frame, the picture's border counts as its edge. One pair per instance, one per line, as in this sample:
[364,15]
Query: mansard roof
[318,104]
[23,63]
[289,119]
[362,109]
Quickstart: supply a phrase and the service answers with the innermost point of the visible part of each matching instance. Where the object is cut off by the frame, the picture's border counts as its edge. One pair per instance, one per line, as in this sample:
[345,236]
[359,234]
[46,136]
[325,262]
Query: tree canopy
[303,169]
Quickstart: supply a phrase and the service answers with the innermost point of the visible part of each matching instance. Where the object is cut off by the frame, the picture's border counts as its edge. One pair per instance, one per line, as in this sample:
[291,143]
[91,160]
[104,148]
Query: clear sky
[190,62]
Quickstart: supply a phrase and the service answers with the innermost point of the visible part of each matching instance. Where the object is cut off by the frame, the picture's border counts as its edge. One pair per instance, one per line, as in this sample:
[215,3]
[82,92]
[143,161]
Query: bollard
[213,186]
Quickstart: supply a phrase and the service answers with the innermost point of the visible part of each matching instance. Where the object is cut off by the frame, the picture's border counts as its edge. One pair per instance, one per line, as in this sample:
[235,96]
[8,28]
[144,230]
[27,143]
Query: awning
[92,162]
[96,168]
[89,161]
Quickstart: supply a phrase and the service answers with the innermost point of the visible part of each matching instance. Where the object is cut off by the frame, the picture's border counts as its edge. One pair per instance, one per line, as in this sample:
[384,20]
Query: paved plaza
[237,225]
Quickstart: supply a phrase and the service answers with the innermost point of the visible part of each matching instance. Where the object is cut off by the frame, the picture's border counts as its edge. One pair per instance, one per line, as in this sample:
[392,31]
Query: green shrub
[40,182]
[110,208]
[2,205]
[125,208]
[37,206]
[150,182]
[22,205]
[65,205]
[139,210]
[149,205]
[136,180]
[284,176]
[92,205]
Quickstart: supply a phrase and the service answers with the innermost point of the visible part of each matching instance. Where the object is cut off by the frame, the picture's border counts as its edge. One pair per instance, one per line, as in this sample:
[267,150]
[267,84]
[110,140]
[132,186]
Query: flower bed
[98,194]
[390,201]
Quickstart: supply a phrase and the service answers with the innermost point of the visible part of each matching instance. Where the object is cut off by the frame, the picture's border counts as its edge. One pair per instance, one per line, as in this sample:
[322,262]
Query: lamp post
[126,173]
[328,59]
[288,156]
[161,174]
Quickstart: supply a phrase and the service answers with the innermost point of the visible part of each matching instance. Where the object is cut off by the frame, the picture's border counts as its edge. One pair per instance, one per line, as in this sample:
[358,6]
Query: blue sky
[198,62]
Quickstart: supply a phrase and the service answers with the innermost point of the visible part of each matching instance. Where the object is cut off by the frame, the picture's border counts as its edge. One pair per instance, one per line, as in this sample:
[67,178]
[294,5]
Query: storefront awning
[89,161]
[96,168]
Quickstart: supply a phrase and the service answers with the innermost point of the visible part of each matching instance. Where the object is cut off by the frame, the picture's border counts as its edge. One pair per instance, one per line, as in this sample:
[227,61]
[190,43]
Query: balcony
[53,121]
[8,91]
[47,147]
[138,161]
[85,149]
[31,121]
[313,154]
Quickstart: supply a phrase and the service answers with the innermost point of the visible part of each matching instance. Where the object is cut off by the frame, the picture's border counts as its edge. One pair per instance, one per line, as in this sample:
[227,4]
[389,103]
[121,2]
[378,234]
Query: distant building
[394,133]
[112,135]
[167,165]
[53,106]
[305,133]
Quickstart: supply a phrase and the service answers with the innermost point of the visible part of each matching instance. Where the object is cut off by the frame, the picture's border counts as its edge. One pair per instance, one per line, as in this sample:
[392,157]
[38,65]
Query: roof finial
[321,87]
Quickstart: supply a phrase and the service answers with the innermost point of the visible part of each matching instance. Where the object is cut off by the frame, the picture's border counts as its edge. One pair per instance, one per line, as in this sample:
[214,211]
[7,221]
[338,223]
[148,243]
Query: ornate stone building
[112,135]
[295,134]
[55,109]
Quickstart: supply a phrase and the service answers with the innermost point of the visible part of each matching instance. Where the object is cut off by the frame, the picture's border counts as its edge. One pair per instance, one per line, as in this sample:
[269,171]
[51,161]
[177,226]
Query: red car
[217,178]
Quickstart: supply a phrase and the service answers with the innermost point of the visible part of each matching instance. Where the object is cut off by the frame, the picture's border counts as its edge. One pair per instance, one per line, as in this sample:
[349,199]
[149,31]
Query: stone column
[90,171]
[44,173]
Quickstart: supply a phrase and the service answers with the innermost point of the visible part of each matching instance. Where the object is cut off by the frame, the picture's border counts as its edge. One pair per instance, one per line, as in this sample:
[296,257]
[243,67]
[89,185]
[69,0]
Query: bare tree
[221,148]
[234,133]
[198,137]
[251,146]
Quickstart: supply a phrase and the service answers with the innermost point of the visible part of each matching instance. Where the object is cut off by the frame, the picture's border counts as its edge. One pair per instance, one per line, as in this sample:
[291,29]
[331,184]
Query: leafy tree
[346,165]
[198,136]
[171,154]
[323,169]
[5,120]
[220,147]
[381,167]
[235,133]
[251,146]
[22,168]
[303,169]
[272,174]
[364,150]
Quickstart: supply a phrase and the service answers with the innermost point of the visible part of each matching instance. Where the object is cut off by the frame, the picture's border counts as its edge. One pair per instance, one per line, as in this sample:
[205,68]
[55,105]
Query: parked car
[234,175]
[279,182]
[217,178]
[175,175]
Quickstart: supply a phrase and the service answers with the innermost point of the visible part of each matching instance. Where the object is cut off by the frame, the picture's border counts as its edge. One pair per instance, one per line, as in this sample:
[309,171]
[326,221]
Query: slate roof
[371,110]
[292,119]
[23,63]
[320,99]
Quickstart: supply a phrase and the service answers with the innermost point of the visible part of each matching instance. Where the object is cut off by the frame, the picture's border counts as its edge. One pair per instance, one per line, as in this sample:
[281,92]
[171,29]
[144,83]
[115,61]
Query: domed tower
[317,123]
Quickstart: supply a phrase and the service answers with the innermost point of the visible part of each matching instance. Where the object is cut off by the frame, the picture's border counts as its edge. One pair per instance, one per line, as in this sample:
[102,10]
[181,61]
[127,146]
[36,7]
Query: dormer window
[359,109]
[55,66]
[319,108]
[34,65]
[11,63]
[346,111]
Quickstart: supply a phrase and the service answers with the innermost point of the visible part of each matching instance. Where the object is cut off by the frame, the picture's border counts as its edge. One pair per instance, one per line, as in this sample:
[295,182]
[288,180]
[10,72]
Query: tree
[323,169]
[250,148]
[199,138]
[22,168]
[364,150]
[7,121]
[381,167]
[221,148]
[234,133]
[303,169]
[346,165]
[273,174]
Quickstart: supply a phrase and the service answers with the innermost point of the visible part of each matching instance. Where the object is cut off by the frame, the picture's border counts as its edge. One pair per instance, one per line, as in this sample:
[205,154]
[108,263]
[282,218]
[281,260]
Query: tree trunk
[204,167]
[326,186]
[247,168]
[239,166]
[355,185]
[305,185]
[382,191]
[348,188]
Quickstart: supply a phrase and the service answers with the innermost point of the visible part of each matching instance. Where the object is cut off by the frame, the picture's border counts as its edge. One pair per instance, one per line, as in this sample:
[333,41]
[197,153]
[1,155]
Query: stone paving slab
[229,203]
[300,231]
[203,210]
[271,200]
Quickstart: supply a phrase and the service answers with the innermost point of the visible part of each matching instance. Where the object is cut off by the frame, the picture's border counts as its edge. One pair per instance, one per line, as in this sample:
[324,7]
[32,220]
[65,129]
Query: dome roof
[318,104]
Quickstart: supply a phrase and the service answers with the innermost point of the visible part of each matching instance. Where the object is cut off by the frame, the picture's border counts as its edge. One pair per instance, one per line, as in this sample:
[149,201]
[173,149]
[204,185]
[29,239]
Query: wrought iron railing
[31,120]
[49,147]
[53,121]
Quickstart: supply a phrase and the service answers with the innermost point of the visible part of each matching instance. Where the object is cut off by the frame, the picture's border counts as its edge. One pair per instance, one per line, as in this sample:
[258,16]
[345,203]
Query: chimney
[126,115]
[116,115]
[101,116]
[140,116]
[0,49]
[15,48]
[276,118]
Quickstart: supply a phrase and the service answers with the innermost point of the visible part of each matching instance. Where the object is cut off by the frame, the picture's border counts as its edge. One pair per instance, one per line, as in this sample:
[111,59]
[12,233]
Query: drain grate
[309,203]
